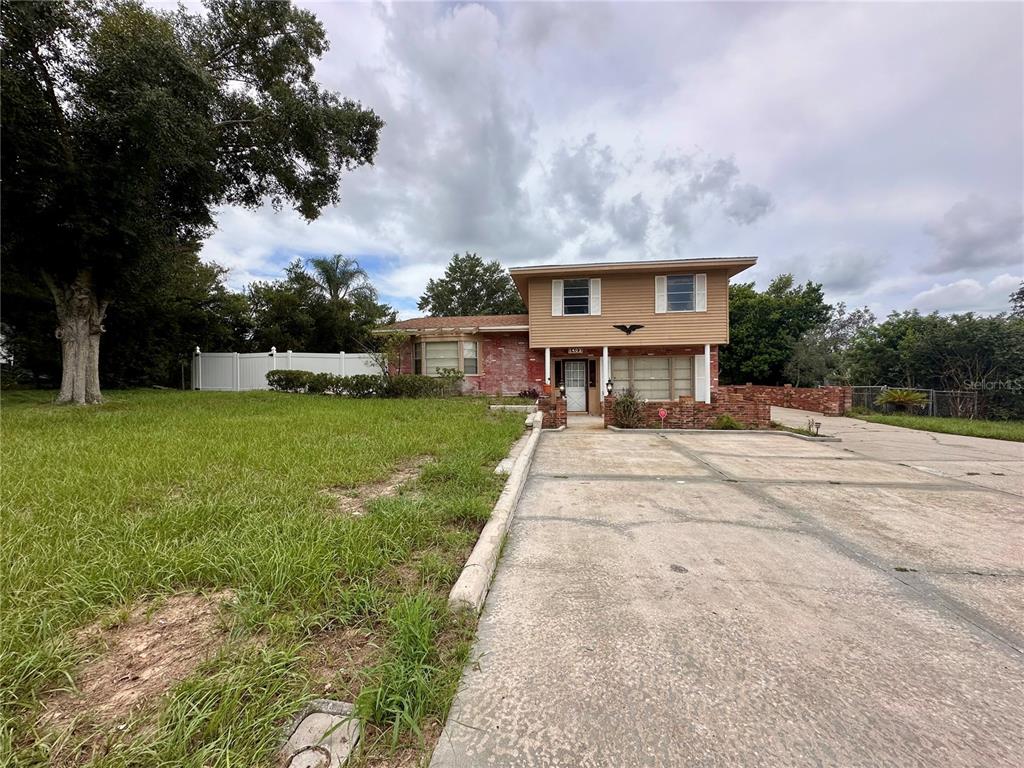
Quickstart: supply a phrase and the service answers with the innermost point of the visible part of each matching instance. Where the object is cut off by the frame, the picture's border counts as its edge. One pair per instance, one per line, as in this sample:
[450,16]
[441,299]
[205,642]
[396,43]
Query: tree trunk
[79,325]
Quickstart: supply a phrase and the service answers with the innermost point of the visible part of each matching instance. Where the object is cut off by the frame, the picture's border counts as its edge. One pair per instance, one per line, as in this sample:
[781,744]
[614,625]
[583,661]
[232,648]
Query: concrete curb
[470,590]
[522,408]
[808,438]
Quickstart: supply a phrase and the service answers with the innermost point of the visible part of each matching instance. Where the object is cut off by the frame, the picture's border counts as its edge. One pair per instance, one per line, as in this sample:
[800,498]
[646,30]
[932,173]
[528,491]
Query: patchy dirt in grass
[138,658]
[410,752]
[336,660]
[353,501]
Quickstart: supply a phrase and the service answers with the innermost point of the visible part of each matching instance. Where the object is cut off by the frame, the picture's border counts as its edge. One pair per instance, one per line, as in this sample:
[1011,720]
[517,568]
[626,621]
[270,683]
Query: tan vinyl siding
[629,299]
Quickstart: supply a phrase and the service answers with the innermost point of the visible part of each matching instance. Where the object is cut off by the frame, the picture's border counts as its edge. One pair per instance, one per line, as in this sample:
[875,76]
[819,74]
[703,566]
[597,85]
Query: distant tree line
[323,304]
[789,334]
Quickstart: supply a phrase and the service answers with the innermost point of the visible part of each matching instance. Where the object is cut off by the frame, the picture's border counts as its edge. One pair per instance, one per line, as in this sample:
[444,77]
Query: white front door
[575,373]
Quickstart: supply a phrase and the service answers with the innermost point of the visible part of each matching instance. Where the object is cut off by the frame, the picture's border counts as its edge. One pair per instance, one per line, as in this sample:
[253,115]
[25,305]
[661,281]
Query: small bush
[363,385]
[725,421]
[902,399]
[628,411]
[413,385]
[288,381]
[531,393]
[321,383]
[451,381]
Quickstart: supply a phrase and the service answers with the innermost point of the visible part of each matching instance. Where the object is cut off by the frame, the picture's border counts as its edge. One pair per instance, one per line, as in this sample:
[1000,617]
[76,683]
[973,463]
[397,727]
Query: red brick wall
[506,364]
[554,410]
[742,403]
[831,401]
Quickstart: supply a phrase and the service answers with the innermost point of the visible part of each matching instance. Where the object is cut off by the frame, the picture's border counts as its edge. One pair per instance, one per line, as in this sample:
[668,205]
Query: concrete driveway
[751,600]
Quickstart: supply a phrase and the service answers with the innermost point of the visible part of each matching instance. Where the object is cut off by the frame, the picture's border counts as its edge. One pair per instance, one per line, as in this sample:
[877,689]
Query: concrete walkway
[750,600]
[978,460]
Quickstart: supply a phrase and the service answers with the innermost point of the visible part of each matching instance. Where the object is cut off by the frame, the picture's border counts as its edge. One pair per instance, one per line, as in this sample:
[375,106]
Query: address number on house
[575,350]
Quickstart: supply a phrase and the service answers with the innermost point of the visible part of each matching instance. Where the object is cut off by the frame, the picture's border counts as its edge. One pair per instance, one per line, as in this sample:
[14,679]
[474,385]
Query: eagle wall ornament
[628,329]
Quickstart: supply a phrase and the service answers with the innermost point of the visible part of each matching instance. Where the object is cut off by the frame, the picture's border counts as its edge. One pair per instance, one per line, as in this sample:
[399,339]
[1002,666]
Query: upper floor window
[679,293]
[576,297]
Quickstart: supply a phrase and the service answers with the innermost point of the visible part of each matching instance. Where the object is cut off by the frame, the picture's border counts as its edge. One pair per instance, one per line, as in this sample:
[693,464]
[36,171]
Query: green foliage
[956,352]
[288,381]
[362,385]
[902,399]
[1017,301]
[172,492]
[764,328]
[332,309]
[471,286]
[820,354]
[628,411]
[125,126]
[725,421]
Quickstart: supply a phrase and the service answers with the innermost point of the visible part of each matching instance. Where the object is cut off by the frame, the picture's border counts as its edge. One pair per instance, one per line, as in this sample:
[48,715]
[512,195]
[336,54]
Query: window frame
[565,295]
[421,356]
[673,362]
[668,292]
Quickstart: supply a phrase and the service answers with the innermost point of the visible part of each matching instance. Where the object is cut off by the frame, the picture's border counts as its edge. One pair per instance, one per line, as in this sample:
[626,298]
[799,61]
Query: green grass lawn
[156,493]
[999,430]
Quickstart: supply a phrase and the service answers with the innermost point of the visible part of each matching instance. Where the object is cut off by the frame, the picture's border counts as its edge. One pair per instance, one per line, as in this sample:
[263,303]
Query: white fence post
[273,358]
[198,381]
[289,359]
[341,363]
[238,375]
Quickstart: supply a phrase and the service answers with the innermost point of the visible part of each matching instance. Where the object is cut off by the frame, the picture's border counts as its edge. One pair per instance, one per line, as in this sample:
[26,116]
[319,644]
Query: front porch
[584,376]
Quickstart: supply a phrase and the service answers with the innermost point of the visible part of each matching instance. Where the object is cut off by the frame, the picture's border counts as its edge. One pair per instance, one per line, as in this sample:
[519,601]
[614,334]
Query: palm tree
[338,277]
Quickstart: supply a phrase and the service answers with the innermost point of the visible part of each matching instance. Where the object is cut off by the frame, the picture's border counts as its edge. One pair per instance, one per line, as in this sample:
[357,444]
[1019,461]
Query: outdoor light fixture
[561,390]
[609,386]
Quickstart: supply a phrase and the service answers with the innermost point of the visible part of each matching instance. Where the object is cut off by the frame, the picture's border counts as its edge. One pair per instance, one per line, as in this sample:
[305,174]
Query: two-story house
[651,326]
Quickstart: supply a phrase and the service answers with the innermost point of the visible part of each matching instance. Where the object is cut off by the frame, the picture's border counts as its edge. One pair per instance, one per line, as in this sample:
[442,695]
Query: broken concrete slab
[323,736]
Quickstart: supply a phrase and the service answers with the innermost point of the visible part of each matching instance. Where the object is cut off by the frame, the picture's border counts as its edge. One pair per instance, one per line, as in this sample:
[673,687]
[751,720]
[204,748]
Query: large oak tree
[124,128]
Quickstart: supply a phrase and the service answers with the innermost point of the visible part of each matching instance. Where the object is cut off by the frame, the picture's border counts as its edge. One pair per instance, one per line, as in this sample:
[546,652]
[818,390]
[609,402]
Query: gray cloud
[841,270]
[748,203]
[630,219]
[977,233]
[709,184]
[580,177]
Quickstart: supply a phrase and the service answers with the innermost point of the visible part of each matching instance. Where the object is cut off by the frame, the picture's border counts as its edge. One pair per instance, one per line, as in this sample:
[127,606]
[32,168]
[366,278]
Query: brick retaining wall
[742,403]
[830,401]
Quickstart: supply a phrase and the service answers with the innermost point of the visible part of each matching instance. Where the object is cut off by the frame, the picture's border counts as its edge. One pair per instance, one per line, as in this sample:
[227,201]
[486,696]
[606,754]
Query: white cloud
[978,233]
[969,295]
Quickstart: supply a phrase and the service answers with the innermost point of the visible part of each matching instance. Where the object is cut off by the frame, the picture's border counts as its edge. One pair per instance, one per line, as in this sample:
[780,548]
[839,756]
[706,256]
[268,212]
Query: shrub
[320,383]
[628,411]
[288,381]
[363,385]
[531,393]
[451,381]
[902,399]
[725,421]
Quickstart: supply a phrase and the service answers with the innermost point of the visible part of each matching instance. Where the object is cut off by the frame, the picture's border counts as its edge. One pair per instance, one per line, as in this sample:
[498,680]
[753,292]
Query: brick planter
[830,401]
[554,410]
[742,403]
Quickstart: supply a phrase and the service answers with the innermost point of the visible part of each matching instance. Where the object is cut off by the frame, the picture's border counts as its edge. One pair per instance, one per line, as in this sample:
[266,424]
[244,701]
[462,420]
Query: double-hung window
[470,362]
[441,354]
[679,293]
[576,297]
[417,358]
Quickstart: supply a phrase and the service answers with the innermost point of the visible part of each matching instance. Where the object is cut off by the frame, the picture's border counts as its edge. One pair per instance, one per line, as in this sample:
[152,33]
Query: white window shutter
[700,293]
[595,295]
[700,378]
[556,298]
[660,291]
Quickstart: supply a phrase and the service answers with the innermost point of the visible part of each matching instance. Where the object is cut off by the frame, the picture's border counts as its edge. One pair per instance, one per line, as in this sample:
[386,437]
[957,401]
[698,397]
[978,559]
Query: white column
[606,372]
[547,365]
[707,373]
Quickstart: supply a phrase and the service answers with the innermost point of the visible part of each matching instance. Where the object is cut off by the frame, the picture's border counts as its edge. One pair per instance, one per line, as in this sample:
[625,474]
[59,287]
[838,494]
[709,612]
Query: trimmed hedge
[362,385]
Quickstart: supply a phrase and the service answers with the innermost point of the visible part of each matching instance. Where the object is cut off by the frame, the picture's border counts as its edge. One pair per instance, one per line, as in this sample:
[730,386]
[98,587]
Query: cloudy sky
[876,149]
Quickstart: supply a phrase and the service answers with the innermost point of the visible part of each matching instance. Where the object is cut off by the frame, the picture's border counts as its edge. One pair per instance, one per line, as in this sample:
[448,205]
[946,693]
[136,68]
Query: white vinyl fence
[234,372]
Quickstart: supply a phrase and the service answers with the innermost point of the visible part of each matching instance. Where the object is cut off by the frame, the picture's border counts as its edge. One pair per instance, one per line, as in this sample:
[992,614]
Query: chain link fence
[941,402]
